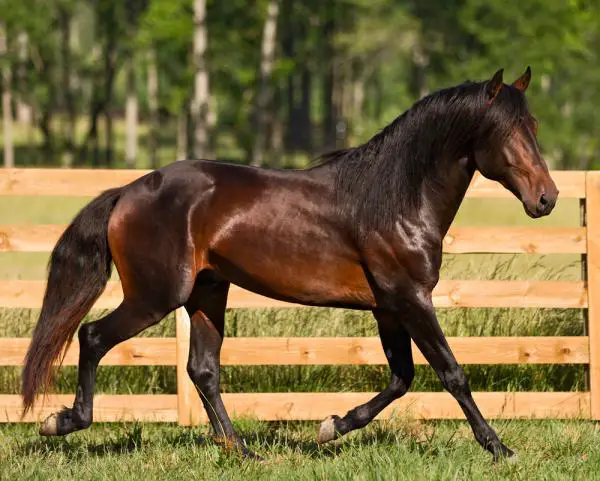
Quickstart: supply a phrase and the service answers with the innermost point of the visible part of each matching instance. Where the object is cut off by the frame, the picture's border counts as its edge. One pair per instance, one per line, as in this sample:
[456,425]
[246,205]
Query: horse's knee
[399,385]
[205,376]
[455,380]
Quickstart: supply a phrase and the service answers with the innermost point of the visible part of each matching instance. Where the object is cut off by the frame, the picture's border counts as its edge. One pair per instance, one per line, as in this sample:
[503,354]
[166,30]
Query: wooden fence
[185,408]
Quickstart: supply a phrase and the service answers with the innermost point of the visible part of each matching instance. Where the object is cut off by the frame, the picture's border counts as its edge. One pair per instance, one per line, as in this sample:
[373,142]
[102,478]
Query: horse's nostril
[543,200]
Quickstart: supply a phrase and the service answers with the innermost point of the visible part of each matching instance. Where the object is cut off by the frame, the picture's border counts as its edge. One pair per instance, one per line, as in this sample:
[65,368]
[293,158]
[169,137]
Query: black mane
[382,177]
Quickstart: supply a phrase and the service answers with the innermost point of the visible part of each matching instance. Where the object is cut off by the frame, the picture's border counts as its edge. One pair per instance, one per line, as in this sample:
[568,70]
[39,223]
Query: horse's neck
[443,194]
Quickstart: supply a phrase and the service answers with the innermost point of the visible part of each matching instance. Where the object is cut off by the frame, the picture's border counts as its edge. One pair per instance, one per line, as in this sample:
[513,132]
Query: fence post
[188,403]
[593,284]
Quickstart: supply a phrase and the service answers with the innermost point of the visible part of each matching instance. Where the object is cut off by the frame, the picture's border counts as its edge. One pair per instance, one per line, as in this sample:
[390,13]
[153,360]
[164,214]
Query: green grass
[399,449]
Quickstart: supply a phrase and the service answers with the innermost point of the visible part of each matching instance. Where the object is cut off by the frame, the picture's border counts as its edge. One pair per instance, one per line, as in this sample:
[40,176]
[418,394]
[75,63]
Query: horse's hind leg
[397,348]
[95,340]
[207,309]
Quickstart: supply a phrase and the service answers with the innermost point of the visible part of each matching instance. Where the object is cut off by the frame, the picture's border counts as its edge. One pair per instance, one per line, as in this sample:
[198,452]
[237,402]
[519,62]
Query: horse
[361,228]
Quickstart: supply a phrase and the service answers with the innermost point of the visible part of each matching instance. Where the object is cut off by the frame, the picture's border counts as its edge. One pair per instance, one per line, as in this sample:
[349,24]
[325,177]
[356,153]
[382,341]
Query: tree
[131,115]
[133,12]
[201,86]
[152,107]
[265,92]
[23,109]
[9,154]
[65,14]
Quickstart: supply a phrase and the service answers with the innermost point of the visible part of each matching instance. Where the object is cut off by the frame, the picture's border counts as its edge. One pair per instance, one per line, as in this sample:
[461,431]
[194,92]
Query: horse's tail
[79,268]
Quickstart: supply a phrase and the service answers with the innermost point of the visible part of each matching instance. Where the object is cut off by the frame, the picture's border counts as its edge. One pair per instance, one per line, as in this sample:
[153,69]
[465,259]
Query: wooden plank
[29,294]
[570,183]
[448,293]
[316,406]
[107,407]
[593,272]
[64,182]
[90,182]
[255,351]
[189,407]
[485,293]
[515,240]
[460,240]
[140,351]
[29,238]
[368,351]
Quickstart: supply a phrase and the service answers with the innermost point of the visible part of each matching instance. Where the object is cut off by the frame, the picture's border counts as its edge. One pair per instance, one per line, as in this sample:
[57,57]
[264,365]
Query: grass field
[400,449]
[392,450]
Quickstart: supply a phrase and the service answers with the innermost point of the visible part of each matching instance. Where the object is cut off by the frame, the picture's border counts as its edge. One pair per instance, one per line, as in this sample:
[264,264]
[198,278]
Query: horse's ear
[523,81]
[494,86]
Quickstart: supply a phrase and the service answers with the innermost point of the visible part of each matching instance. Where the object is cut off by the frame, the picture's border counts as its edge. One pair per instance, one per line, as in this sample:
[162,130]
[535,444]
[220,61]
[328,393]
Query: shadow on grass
[268,440]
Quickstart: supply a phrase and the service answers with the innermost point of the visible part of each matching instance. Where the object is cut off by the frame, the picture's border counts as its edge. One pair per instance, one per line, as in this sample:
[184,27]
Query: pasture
[400,448]
[388,450]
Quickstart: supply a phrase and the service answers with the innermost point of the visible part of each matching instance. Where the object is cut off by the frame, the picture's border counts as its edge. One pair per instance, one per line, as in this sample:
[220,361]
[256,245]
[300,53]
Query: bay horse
[361,229]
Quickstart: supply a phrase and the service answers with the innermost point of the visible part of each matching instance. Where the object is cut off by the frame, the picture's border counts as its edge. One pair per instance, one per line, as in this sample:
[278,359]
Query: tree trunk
[263,114]
[75,87]
[69,101]
[377,96]
[201,86]
[102,88]
[340,126]
[153,108]
[304,113]
[131,115]
[287,43]
[182,133]
[276,127]
[420,62]
[9,154]
[108,136]
[110,67]
[330,115]
[358,95]
[24,110]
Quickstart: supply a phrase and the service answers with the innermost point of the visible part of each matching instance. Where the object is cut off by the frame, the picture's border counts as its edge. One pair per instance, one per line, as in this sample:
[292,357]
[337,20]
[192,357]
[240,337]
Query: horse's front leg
[424,329]
[397,348]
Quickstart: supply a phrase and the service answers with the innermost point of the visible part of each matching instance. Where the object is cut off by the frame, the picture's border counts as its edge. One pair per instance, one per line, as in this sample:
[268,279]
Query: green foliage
[381,56]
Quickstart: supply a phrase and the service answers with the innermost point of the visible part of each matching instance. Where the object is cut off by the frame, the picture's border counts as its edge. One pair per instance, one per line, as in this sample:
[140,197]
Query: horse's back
[269,231]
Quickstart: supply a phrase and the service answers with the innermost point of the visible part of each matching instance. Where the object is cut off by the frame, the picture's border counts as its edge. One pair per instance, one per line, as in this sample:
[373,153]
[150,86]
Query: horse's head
[511,155]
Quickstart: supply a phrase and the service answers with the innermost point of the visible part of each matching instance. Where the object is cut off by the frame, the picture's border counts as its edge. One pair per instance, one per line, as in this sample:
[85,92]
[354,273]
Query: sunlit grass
[399,449]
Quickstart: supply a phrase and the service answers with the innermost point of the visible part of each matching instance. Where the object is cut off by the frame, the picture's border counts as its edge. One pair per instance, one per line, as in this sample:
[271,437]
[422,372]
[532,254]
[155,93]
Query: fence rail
[304,351]
[466,293]
[185,408]
[460,240]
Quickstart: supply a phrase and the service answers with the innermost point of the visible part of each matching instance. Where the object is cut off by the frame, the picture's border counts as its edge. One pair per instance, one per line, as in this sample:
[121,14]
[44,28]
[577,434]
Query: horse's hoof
[50,426]
[508,456]
[252,456]
[327,431]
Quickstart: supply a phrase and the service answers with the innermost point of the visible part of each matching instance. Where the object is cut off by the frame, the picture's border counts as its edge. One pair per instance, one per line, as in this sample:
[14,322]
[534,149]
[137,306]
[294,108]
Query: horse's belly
[310,280]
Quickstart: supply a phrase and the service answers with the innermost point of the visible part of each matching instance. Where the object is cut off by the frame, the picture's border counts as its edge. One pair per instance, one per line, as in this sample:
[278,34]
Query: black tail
[79,268]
